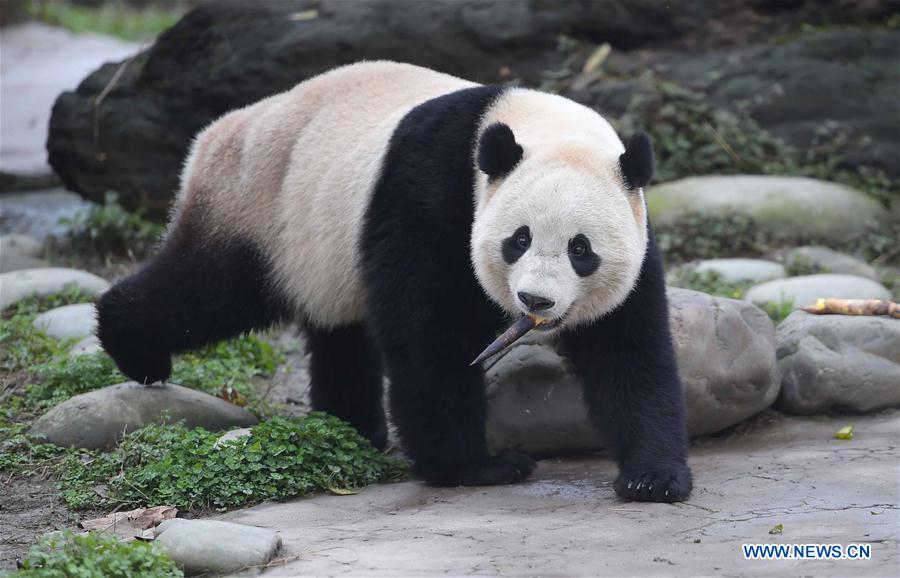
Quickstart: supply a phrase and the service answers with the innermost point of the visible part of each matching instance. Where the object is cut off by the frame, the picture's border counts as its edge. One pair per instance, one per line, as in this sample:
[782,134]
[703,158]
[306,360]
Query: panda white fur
[404,216]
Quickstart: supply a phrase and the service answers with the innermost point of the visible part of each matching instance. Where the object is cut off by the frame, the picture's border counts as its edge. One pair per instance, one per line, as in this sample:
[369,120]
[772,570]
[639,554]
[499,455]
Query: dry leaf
[231,395]
[341,491]
[777,529]
[130,525]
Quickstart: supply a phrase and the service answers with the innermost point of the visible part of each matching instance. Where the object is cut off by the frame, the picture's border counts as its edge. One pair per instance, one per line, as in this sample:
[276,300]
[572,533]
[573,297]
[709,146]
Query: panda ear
[498,151]
[636,163]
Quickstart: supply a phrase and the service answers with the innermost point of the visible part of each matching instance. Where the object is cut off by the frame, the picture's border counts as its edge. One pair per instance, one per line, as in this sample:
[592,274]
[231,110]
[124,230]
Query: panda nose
[535,302]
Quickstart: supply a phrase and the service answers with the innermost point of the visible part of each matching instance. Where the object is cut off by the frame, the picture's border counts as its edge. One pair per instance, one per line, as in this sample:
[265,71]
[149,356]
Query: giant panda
[403,216]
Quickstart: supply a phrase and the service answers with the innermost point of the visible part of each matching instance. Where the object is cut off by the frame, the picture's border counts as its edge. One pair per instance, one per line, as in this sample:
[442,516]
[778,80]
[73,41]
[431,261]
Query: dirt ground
[28,509]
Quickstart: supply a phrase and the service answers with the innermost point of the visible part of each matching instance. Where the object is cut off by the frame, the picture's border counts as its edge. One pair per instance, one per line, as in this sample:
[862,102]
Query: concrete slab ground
[37,63]
[566,521]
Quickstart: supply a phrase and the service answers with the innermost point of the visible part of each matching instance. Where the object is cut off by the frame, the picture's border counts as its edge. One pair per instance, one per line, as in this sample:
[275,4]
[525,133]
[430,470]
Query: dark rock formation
[128,126]
[221,56]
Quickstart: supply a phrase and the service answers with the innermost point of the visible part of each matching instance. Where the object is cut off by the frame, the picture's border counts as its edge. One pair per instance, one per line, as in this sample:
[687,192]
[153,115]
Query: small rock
[742,270]
[22,245]
[803,291]
[69,321]
[824,260]
[98,419]
[783,208]
[232,435]
[21,284]
[86,346]
[216,547]
[726,358]
[13,262]
[842,363]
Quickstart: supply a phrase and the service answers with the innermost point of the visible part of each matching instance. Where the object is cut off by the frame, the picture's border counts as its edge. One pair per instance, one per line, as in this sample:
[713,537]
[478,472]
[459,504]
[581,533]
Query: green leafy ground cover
[93,555]
[109,230]
[170,464]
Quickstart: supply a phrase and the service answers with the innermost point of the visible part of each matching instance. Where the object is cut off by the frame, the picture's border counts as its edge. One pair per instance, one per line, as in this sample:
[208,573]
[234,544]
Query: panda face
[560,237]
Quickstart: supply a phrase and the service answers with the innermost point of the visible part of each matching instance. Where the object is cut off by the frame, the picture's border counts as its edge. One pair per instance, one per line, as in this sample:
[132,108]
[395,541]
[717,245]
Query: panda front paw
[659,484]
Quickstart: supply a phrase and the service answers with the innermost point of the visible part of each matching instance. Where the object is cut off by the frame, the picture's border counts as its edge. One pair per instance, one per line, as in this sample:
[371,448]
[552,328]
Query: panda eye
[515,245]
[578,249]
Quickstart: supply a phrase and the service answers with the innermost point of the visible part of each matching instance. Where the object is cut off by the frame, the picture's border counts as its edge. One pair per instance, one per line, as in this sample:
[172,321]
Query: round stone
[216,547]
[98,419]
[741,270]
[68,321]
[18,285]
[804,291]
[824,260]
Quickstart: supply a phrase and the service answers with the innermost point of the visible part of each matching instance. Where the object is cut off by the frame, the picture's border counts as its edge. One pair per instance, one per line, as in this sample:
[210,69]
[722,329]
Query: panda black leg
[437,400]
[189,294]
[438,403]
[627,362]
[346,379]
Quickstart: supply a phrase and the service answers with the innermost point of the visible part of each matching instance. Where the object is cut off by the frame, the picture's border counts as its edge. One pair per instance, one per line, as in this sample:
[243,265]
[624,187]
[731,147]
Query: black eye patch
[583,259]
[516,244]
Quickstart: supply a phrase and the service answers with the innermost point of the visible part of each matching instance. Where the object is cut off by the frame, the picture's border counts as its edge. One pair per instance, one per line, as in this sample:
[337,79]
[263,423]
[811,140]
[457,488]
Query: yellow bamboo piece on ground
[855,307]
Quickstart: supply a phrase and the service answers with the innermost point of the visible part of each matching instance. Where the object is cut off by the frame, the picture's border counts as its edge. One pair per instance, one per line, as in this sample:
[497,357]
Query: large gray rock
[782,208]
[68,321]
[215,547]
[841,363]
[803,291]
[535,402]
[26,283]
[824,260]
[741,270]
[98,419]
[726,358]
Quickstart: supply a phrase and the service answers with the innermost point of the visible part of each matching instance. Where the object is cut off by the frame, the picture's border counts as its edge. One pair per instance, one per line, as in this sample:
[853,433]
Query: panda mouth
[548,324]
[515,332]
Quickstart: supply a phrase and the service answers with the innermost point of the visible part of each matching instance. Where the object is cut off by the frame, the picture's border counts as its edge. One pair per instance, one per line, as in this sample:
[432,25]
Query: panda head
[560,231]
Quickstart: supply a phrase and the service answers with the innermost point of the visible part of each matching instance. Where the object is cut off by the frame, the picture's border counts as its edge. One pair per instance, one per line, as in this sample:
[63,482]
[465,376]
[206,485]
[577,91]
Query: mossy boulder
[780,209]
